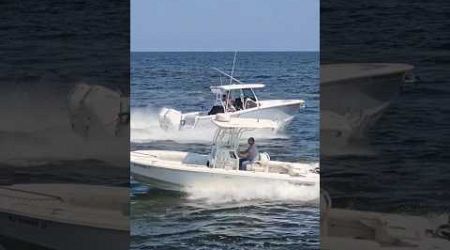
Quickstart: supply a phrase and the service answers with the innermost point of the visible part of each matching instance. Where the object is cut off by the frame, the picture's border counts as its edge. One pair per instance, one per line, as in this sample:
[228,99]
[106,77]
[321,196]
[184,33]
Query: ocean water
[409,172]
[47,48]
[218,217]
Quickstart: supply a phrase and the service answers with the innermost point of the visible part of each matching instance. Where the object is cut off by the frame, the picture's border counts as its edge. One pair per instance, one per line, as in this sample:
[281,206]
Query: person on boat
[228,103]
[249,156]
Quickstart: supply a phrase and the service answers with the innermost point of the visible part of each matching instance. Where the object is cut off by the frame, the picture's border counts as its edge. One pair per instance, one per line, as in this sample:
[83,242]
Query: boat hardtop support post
[224,153]
[257,104]
[224,150]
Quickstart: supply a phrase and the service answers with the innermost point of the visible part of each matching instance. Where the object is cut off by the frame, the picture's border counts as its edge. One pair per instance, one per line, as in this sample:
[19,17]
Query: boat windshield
[233,100]
[244,99]
[224,103]
[247,93]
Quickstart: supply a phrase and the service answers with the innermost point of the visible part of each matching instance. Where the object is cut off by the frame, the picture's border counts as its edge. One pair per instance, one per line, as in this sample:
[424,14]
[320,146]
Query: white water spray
[217,193]
[145,128]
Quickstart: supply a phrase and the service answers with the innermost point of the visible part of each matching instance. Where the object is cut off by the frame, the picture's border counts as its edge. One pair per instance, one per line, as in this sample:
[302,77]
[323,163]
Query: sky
[225,25]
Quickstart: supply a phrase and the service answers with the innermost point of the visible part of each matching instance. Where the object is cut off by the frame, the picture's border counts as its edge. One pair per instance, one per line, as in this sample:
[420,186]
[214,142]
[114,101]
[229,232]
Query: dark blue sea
[220,218]
[409,173]
[48,47]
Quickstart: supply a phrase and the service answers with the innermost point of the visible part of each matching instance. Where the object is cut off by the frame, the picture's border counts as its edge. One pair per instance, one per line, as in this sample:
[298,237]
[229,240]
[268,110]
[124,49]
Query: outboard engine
[94,109]
[261,166]
[170,119]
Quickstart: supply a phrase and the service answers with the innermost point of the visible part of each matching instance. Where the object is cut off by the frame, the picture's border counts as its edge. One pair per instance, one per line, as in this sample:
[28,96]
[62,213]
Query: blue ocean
[223,217]
[409,172]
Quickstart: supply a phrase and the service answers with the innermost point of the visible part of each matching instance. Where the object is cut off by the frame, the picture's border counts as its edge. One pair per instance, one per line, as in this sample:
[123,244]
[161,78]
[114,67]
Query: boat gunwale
[393,69]
[227,172]
[288,103]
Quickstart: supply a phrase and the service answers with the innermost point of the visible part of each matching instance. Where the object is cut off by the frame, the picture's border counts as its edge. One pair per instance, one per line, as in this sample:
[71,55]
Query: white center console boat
[174,170]
[237,99]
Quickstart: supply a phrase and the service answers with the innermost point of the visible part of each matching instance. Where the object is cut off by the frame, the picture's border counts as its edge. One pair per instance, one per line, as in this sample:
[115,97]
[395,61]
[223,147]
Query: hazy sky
[217,25]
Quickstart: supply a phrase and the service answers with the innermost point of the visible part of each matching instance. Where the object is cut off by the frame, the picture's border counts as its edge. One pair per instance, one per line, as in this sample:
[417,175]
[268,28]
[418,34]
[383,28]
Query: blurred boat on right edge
[353,98]
[342,229]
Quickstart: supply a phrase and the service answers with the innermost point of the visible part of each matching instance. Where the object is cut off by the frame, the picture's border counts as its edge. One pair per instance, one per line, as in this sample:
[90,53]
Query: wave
[145,128]
[214,193]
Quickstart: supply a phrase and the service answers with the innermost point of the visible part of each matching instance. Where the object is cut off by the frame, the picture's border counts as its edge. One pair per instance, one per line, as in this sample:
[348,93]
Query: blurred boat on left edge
[66,216]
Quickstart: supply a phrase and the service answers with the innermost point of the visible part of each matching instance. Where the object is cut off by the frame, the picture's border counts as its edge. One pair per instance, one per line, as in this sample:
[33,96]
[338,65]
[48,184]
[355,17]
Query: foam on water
[215,193]
[145,128]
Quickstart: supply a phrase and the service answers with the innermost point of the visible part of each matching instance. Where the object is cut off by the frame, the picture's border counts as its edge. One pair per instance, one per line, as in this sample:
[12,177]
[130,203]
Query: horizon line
[218,51]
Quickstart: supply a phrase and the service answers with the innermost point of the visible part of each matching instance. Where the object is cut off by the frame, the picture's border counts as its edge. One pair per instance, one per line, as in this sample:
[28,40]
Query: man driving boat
[228,102]
[249,156]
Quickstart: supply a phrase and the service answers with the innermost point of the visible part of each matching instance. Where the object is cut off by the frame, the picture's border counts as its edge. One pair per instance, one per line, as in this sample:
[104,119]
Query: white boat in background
[237,99]
[66,216]
[174,170]
[353,96]
[342,229]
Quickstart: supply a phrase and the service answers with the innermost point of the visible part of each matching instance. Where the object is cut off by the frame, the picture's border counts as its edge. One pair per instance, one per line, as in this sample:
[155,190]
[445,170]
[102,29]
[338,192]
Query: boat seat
[261,164]
[263,158]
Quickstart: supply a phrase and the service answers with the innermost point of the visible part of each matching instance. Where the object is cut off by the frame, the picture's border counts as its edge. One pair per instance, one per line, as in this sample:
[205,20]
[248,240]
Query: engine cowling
[170,119]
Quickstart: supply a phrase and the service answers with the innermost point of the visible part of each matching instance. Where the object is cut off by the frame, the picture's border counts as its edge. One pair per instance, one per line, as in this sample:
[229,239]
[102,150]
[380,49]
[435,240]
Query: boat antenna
[223,73]
[232,68]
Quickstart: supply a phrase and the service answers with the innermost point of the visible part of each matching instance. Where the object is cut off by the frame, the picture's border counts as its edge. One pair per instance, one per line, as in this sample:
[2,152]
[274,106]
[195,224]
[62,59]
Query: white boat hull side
[180,179]
[56,235]
[279,111]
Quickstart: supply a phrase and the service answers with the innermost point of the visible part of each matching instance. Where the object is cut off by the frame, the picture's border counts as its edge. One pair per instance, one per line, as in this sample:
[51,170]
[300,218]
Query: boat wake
[144,128]
[215,193]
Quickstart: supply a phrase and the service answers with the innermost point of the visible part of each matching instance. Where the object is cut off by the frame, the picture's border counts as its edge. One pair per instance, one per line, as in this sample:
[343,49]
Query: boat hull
[279,111]
[56,235]
[65,216]
[177,177]
[352,99]
[180,180]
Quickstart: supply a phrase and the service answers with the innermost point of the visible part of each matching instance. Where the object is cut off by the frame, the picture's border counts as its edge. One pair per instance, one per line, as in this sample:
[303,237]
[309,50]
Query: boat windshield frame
[220,92]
